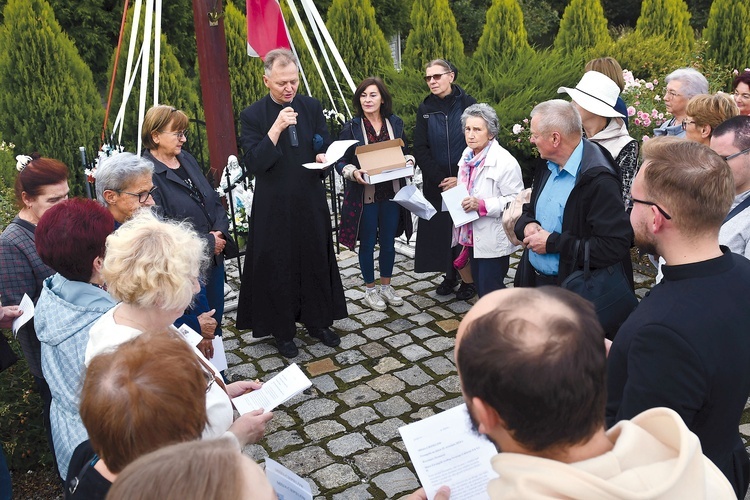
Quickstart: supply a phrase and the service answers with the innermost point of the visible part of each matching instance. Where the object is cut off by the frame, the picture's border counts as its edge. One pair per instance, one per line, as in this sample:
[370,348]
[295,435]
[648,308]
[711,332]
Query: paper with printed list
[287,484]
[335,151]
[452,199]
[446,451]
[284,386]
[27,306]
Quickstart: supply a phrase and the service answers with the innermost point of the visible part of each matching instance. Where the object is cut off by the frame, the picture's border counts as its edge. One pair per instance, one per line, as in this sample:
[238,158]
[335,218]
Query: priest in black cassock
[290,274]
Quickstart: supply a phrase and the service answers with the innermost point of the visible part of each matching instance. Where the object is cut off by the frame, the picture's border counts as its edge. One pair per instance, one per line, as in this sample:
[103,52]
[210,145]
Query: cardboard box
[383,161]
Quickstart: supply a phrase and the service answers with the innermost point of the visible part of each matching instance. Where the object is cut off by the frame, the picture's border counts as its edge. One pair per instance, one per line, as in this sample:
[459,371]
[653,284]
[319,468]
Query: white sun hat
[596,93]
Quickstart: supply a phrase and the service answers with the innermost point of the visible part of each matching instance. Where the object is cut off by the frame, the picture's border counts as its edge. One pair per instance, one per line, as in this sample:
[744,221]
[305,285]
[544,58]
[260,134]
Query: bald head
[536,356]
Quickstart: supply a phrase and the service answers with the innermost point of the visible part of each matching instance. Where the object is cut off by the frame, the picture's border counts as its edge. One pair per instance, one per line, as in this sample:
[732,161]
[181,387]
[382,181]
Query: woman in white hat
[595,97]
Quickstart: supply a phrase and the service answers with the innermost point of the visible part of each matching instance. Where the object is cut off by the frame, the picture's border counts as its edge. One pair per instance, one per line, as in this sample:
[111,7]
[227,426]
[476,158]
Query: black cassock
[290,273]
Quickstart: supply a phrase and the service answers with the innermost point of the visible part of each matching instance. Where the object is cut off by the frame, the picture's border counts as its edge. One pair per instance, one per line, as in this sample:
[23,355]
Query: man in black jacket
[687,346]
[575,196]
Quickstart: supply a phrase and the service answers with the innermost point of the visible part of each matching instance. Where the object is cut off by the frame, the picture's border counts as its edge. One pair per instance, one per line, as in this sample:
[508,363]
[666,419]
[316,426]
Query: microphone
[293,139]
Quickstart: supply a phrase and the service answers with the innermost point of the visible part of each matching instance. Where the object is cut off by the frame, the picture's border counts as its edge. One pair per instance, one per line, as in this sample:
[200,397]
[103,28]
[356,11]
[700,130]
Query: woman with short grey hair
[682,84]
[493,178]
[123,185]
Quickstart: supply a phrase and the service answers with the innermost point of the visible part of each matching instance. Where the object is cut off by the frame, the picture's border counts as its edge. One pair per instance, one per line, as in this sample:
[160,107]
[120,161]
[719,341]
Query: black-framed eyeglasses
[142,196]
[435,77]
[735,155]
[685,123]
[651,203]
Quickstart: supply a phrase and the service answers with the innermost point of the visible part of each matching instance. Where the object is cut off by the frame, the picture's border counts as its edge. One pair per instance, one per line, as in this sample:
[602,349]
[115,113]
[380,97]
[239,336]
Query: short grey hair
[284,57]
[693,82]
[118,171]
[486,113]
[558,115]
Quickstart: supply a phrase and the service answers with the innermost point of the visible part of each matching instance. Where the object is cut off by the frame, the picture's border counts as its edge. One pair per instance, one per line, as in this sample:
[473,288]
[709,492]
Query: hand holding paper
[27,306]
[284,386]
[453,198]
[335,151]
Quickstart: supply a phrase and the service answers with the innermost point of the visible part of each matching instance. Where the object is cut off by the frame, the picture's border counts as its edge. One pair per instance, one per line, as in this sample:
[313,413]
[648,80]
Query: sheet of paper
[334,152]
[220,356]
[287,484]
[452,199]
[284,386]
[445,450]
[27,306]
[193,338]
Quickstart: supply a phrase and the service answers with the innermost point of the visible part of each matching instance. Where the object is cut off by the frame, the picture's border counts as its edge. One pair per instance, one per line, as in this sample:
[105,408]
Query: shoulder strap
[739,208]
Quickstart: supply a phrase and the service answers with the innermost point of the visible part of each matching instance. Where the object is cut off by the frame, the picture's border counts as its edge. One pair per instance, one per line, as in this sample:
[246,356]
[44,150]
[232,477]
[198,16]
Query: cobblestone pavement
[392,368]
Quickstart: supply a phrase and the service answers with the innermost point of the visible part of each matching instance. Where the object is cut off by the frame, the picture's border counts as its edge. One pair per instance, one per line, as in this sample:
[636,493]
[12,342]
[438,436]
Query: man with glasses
[686,346]
[682,84]
[731,140]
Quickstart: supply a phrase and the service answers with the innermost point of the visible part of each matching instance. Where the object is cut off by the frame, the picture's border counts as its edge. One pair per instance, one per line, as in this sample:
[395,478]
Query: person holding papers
[369,212]
[492,178]
[151,266]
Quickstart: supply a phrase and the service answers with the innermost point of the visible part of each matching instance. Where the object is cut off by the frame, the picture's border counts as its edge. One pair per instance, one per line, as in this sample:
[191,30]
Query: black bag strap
[736,210]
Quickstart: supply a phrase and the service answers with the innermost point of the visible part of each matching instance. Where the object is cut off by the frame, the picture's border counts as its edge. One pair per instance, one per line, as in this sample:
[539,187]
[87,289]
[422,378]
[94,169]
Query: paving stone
[442,312]
[422,413]
[270,364]
[440,298]
[346,325]
[255,451]
[439,344]
[388,364]
[371,317]
[385,431]
[348,445]
[230,345]
[422,318]
[352,308]
[377,460]
[352,373]
[350,357]
[316,408]
[352,340]
[451,356]
[245,371]
[459,307]
[358,492]
[448,325]
[399,340]
[324,384]
[351,271]
[451,384]
[421,301]
[280,420]
[406,309]
[387,384]
[232,359]
[440,365]
[414,352]
[358,416]
[374,350]
[423,332]
[323,429]
[306,460]
[358,395]
[395,482]
[451,403]
[320,350]
[282,439]
[745,429]
[376,333]
[425,395]
[414,376]
[259,350]
[399,325]
[303,396]
[418,286]
[393,407]
[320,367]
[335,476]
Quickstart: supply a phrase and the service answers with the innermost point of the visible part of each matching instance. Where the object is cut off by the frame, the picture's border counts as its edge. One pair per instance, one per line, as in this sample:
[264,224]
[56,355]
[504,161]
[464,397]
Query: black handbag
[8,357]
[607,288]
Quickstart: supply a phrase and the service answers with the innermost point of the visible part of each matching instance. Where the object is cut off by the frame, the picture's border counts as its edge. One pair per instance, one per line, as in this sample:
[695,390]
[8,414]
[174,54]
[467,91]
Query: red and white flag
[265,28]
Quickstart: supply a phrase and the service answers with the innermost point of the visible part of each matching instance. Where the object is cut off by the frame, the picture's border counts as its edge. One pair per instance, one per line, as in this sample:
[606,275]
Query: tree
[48,100]
[392,16]
[434,35]
[245,73]
[727,34]
[539,19]
[583,25]
[668,19]
[470,16]
[504,35]
[358,38]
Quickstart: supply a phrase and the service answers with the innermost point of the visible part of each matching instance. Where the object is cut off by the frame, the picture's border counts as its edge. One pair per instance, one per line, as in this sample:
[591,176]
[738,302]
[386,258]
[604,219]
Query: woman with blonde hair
[705,112]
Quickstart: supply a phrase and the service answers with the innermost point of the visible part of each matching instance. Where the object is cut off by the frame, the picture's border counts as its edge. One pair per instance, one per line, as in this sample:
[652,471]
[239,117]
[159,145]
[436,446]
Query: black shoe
[466,291]
[325,335]
[287,348]
[446,287]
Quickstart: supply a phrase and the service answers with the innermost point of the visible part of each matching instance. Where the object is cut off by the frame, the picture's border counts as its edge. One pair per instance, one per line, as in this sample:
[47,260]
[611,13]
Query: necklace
[103,286]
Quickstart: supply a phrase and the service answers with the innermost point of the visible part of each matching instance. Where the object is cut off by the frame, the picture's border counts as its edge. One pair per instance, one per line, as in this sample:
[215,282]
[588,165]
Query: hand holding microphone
[293,139]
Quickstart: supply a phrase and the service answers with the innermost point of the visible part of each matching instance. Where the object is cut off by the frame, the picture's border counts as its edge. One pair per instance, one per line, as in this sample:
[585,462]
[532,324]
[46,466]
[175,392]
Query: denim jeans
[379,222]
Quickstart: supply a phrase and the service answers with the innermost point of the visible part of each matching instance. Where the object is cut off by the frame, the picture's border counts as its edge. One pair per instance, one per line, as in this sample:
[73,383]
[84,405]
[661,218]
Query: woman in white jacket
[493,178]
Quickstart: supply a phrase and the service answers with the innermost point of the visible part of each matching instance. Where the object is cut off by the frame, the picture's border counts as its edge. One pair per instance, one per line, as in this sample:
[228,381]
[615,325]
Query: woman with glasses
[184,193]
[705,112]
[682,84]
[438,145]
[124,184]
[741,87]
[152,268]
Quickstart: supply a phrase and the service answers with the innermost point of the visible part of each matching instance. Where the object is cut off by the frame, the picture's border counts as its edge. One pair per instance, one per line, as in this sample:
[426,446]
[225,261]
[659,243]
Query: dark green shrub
[727,33]
[433,35]
[582,26]
[647,57]
[668,19]
[504,35]
[245,73]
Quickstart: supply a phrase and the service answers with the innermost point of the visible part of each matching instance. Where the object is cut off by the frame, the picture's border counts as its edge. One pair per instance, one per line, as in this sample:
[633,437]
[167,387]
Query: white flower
[517,129]
[22,161]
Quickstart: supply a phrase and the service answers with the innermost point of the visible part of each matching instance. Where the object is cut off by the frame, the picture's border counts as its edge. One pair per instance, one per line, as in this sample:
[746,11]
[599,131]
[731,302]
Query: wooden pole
[214,77]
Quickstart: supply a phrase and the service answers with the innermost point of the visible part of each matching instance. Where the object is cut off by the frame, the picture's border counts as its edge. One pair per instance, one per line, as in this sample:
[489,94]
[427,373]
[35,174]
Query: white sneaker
[372,299]
[388,294]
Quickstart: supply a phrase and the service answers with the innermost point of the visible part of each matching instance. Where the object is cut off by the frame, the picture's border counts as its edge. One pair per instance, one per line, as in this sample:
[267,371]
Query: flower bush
[646,110]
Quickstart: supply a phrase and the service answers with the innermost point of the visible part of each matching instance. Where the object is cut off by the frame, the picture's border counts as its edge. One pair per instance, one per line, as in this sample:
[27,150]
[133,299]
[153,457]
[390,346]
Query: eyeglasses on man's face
[652,204]
[435,77]
[735,155]
[142,196]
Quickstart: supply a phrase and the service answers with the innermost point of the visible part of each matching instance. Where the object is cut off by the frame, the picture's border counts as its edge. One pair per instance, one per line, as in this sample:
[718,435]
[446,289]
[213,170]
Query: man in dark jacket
[686,346]
[574,197]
